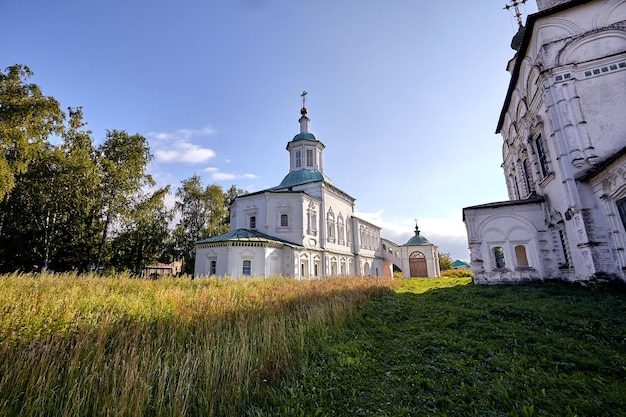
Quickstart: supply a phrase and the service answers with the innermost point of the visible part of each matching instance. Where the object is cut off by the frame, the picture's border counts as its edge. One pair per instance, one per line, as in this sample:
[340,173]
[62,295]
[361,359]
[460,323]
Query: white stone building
[304,228]
[564,153]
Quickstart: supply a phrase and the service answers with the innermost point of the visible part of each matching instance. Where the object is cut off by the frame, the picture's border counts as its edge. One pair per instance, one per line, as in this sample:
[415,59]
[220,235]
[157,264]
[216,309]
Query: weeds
[87,346]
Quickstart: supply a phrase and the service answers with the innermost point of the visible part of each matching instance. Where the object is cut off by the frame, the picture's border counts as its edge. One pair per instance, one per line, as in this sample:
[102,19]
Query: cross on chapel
[515,5]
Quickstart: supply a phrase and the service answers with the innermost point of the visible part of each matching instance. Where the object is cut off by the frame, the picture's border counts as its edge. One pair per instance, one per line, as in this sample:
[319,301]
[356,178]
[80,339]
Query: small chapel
[563,125]
[305,227]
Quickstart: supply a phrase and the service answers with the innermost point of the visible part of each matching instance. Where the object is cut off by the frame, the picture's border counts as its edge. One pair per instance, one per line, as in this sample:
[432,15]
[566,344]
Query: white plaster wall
[506,226]
[290,204]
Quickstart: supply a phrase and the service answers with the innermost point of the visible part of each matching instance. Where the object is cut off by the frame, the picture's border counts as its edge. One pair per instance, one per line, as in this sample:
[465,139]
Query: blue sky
[405,94]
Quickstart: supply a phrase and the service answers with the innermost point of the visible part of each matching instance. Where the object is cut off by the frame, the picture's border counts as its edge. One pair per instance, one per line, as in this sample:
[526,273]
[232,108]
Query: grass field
[91,346]
[526,350]
[83,346]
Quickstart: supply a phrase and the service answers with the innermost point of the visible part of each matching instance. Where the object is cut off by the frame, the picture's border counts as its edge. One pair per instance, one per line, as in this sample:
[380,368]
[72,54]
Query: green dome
[417,240]
[306,136]
[303,176]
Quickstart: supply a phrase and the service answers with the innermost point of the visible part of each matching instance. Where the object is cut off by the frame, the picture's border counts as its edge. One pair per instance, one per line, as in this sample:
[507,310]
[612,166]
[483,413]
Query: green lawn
[525,350]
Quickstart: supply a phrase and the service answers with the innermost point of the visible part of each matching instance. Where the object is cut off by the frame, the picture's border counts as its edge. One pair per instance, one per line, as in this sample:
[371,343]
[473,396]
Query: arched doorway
[417,264]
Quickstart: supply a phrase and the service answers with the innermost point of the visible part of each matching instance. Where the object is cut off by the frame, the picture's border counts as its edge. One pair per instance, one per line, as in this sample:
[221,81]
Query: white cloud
[177,146]
[184,152]
[225,176]
[222,176]
[448,234]
[182,134]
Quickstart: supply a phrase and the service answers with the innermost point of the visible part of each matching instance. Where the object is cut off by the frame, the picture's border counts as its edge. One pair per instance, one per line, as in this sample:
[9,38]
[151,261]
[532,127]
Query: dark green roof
[417,240]
[303,176]
[307,136]
[244,235]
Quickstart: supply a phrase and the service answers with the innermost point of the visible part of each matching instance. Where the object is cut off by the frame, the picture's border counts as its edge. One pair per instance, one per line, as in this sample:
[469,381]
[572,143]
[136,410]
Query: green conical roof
[417,240]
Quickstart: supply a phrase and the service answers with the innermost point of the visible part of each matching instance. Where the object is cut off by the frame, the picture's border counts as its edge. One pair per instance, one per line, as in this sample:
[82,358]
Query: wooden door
[417,264]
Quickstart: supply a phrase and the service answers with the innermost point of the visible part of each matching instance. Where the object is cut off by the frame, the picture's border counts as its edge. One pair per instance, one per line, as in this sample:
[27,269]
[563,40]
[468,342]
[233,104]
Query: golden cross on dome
[515,5]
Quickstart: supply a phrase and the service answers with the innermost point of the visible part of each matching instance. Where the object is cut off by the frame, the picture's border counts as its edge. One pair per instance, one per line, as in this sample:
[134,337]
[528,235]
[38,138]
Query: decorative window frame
[311,215]
[284,210]
[330,226]
[252,213]
[341,230]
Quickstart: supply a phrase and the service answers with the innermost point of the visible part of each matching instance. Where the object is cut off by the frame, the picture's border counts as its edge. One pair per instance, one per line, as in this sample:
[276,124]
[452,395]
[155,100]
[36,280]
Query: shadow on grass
[537,349]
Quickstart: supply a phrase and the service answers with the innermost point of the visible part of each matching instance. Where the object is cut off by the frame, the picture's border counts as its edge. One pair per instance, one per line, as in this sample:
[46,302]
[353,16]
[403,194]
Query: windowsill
[546,179]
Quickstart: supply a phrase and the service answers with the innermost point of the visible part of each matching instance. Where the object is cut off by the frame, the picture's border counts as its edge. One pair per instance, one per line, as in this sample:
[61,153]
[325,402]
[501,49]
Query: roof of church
[523,46]
[304,136]
[245,235]
[303,176]
[417,240]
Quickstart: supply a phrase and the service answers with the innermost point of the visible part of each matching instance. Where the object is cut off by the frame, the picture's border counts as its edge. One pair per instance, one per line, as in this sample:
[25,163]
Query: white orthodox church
[306,228]
[564,153]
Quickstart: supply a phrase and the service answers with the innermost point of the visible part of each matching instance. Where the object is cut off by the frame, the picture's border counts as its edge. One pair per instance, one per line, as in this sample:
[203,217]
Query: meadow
[116,346]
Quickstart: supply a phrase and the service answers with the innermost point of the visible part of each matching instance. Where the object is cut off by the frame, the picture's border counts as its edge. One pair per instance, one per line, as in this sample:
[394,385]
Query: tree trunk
[103,242]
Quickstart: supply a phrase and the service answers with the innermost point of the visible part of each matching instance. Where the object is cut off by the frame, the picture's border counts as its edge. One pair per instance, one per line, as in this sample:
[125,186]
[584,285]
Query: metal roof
[306,136]
[303,176]
[245,235]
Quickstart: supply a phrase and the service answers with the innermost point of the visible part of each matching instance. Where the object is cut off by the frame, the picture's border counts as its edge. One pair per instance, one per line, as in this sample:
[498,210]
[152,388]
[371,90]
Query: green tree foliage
[27,118]
[203,213]
[445,261]
[145,233]
[124,160]
[69,205]
[51,217]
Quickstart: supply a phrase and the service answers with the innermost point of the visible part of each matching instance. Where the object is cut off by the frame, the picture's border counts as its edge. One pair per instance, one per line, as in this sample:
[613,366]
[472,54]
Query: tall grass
[87,346]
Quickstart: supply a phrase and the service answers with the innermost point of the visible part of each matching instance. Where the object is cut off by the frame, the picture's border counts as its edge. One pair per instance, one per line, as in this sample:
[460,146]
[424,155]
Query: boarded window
[520,256]
[298,159]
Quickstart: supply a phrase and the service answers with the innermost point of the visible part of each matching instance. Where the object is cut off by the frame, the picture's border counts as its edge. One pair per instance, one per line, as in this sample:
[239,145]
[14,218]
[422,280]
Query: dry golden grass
[86,345]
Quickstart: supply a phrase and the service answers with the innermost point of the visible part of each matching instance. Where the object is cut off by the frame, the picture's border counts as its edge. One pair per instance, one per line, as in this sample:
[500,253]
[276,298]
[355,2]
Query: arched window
[284,220]
[247,267]
[520,256]
[543,158]
[498,257]
[341,233]
[621,209]
[330,225]
[298,159]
